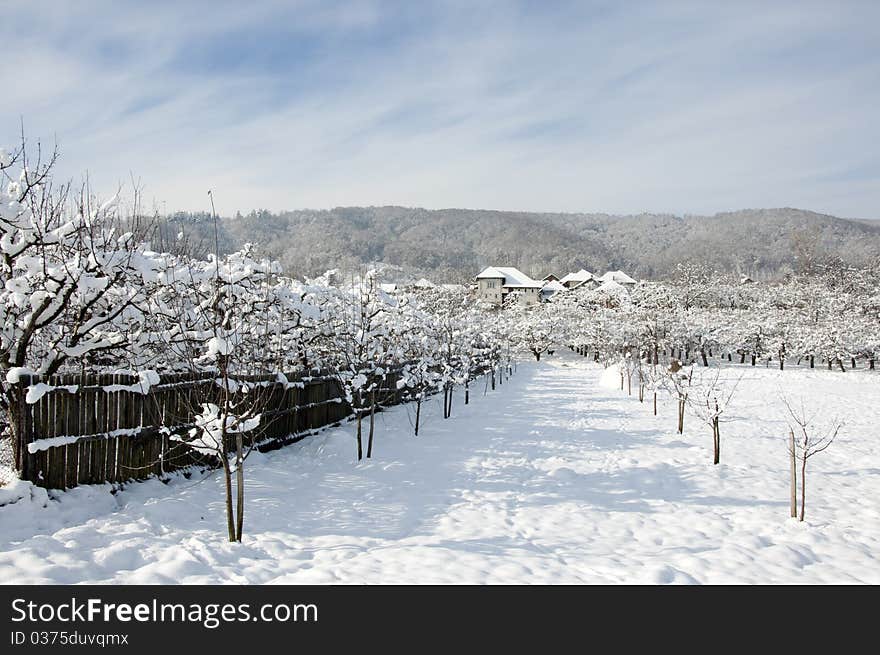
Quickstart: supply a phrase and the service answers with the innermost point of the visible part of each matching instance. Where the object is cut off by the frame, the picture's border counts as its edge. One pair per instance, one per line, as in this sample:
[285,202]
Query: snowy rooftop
[617,276]
[513,277]
[582,275]
[611,287]
[554,286]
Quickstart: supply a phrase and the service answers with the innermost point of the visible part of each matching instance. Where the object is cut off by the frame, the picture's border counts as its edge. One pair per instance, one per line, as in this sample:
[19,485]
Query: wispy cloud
[619,107]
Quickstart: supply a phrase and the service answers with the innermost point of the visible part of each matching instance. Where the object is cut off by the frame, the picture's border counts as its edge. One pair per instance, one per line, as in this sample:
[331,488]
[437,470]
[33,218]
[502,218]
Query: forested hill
[453,244]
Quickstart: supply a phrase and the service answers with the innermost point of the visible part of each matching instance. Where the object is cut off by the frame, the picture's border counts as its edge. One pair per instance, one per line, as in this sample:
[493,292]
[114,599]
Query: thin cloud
[678,107]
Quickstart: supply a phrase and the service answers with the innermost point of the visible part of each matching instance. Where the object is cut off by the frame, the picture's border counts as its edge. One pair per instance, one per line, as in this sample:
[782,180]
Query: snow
[45,444]
[582,275]
[13,375]
[611,287]
[36,391]
[146,379]
[617,276]
[610,377]
[552,478]
[218,346]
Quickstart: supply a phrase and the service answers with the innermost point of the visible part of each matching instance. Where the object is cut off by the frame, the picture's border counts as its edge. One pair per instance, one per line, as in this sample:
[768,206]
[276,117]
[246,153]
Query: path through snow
[552,478]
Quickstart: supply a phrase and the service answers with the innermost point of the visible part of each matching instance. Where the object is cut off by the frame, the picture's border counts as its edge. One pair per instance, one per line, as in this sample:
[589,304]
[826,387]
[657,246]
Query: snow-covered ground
[555,477]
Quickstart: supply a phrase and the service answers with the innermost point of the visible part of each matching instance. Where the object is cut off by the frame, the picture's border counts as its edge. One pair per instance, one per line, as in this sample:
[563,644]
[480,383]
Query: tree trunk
[871,364]
[655,403]
[20,427]
[853,361]
[449,409]
[493,378]
[793,482]
[812,361]
[629,384]
[716,435]
[729,357]
[753,359]
[742,358]
[239,484]
[372,424]
[418,412]
[227,477]
[840,364]
[781,362]
[359,441]
[467,392]
[803,484]
[703,356]
[537,355]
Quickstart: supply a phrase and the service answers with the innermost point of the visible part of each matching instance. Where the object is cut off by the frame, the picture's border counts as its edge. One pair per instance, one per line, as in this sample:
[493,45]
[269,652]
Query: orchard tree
[709,397]
[807,437]
[74,277]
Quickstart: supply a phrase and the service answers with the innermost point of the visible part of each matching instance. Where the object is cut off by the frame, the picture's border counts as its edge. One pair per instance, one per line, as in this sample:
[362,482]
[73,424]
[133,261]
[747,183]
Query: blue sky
[621,107]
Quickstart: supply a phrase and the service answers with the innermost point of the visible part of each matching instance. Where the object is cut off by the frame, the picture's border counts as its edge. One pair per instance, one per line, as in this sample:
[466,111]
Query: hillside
[452,244]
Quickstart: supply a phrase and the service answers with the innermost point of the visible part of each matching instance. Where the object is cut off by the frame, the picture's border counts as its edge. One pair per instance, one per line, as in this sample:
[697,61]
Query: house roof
[553,287]
[582,275]
[617,276]
[513,277]
[611,287]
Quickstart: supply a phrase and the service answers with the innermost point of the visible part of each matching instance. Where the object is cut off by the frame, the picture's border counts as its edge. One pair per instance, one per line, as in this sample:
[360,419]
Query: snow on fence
[93,429]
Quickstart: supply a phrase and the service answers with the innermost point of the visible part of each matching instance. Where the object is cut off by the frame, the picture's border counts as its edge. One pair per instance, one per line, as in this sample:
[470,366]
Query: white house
[620,277]
[551,288]
[495,283]
[582,277]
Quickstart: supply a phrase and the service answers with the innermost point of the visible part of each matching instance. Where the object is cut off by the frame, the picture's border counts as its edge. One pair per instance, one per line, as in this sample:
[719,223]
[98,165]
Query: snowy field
[556,477]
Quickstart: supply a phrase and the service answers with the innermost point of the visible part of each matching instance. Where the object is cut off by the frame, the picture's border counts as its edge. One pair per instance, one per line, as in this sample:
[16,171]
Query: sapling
[678,379]
[709,398]
[806,437]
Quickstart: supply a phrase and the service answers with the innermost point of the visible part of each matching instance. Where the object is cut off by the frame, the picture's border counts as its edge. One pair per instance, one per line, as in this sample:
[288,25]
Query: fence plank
[93,413]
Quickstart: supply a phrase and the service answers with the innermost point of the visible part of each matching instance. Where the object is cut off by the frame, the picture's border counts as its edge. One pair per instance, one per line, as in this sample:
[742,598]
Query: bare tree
[709,398]
[806,437]
[678,381]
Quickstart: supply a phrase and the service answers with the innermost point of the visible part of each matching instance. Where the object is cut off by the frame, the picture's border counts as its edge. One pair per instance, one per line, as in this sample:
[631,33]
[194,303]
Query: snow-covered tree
[74,277]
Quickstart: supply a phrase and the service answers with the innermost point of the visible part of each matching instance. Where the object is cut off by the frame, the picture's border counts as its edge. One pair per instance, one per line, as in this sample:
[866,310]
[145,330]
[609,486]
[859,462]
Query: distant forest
[452,245]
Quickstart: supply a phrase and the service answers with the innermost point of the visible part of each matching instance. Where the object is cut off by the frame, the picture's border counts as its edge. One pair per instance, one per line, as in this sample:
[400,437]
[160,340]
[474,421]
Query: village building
[496,283]
[550,289]
[581,278]
[620,278]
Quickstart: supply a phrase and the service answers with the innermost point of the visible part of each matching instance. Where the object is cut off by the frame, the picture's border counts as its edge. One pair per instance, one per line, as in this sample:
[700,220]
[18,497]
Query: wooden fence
[101,428]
